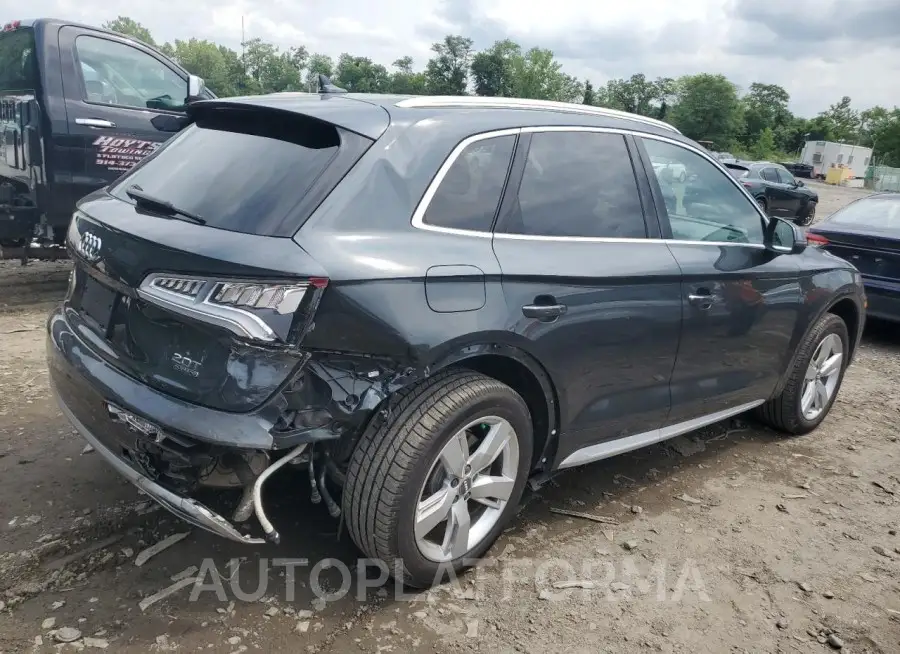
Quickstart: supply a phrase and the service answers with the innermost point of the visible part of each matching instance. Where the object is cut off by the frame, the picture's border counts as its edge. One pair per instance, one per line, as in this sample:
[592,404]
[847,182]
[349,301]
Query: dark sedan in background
[776,190]
[867,234]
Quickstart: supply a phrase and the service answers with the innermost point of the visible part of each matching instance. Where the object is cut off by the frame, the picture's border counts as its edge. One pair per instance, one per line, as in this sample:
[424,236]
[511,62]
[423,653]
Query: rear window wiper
[163,207]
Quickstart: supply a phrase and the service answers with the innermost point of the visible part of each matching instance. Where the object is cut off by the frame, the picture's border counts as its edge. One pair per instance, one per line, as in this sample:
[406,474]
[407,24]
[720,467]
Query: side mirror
[783,237]
[800,182]
[195,87]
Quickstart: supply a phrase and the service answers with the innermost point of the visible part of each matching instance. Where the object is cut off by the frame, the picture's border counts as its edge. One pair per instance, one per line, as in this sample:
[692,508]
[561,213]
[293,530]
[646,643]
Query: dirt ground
[732,539]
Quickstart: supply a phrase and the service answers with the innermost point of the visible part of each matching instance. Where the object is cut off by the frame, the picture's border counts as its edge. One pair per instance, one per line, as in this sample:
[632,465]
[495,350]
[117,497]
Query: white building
[823,155]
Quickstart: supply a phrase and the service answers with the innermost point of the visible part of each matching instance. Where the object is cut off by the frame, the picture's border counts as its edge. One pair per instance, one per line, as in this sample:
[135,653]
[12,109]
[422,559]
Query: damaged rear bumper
[185,508]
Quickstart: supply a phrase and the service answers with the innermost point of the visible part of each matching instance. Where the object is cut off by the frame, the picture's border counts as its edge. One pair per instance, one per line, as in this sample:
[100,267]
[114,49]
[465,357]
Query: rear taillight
[747,184]
[255,310]
[14,25]
[816,240]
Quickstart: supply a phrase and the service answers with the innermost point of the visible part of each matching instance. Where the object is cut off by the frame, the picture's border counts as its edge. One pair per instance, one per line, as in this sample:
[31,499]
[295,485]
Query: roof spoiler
[325,86]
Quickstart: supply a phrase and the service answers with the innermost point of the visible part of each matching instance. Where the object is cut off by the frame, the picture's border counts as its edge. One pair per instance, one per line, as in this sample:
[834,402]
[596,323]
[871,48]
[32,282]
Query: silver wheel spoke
[432,511]
[492,488]
[821,396]
[455,454]
[456,538]
[809,394]
[831,365]
[490,448]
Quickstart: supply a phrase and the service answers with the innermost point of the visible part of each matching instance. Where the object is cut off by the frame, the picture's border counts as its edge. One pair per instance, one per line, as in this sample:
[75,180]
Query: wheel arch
[845,308]
[524,374]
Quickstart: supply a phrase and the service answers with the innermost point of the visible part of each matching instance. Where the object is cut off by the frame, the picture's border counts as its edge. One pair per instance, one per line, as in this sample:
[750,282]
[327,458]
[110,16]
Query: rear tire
[404,459]
[790,411]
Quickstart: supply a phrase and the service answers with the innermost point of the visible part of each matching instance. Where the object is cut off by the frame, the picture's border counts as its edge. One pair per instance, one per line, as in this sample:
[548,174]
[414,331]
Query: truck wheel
[814,381]
[807,215]
[437,475]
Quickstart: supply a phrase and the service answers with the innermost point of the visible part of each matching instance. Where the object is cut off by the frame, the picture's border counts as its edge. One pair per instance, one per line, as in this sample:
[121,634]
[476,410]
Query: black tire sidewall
[503,403]
[834,326]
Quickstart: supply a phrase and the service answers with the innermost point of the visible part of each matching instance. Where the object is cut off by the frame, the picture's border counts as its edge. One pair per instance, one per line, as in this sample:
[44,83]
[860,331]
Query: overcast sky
[819,50]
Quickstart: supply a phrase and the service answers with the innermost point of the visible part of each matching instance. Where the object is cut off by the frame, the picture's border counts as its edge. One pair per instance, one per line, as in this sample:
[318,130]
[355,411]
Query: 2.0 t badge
[185,364]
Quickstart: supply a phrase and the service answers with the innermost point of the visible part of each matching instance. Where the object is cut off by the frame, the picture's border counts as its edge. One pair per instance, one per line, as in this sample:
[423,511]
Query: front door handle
[545,312]
[701,299]
[98,123]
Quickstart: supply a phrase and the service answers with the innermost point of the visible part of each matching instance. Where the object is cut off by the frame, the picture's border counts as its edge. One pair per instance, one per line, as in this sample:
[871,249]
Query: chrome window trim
[438,101]
[419,213]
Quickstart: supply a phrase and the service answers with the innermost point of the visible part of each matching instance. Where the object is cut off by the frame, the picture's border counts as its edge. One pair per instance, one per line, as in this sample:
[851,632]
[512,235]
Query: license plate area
[97,303]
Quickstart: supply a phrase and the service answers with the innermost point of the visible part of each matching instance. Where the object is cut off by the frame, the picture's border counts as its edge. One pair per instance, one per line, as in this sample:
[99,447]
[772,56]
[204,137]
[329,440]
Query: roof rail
[425,101]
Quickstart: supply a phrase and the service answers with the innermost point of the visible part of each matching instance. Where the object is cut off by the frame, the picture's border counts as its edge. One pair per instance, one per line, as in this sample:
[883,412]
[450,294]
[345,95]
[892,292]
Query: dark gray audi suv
[423,304]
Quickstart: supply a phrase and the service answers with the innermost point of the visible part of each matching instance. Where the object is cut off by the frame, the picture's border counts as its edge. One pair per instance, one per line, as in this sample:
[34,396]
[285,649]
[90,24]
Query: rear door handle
[99,123]
[544,311]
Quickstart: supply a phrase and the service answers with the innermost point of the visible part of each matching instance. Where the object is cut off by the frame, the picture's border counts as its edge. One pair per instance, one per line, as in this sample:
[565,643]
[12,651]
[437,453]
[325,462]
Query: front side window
[469,194]
[118,74]
[578,184]
[708,206]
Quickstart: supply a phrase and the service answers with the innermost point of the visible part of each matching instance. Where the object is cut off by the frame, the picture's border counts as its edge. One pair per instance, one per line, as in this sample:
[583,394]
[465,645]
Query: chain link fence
[883,178]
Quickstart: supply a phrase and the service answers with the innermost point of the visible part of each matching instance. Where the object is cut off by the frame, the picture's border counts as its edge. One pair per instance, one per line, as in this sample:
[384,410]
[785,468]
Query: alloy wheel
[466,489]
[822,376]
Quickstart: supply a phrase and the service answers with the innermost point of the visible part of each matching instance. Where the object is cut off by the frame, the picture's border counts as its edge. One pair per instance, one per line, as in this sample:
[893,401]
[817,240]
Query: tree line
[752,124]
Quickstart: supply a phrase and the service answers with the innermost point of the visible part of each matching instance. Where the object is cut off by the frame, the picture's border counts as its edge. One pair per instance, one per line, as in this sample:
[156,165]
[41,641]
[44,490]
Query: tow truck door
[121,99]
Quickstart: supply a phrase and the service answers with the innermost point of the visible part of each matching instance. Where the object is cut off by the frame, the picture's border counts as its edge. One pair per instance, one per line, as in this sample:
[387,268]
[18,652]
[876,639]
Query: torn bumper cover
[184,507]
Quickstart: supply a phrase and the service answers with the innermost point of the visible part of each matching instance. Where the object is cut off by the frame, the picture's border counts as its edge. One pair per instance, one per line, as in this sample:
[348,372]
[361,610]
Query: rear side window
[256,172]
[769,174]
[578,184]
[469,194]
[18,62]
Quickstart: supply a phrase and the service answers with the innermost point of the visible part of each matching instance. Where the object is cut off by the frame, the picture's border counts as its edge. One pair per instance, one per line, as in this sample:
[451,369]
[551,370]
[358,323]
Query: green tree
[405,80]
[220,67]
[317,64]
[707,108]
[765,106]
[447,73]
[886,139]
[270,70]
[361,75]
[494,69]
[588,93]
[844,120]
[764,147]
[538,75]
[131,28]
[638,95]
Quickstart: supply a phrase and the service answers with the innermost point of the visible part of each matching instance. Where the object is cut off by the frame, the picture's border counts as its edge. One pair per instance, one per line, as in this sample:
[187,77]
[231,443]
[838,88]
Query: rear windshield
[738,173]
[255,172]
[881,214]
[18,63]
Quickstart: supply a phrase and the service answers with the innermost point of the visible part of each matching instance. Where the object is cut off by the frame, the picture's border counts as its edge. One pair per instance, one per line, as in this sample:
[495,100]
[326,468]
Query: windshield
[246,171]
[877,213]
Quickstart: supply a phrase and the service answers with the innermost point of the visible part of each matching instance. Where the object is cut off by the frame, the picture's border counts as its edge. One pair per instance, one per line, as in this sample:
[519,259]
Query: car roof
[462,116]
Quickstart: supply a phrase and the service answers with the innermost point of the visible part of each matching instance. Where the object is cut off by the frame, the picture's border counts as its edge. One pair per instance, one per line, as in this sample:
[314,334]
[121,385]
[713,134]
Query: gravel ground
[731,539]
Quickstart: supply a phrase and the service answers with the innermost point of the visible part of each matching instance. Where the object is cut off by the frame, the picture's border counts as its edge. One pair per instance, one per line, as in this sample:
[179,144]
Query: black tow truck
[79,106]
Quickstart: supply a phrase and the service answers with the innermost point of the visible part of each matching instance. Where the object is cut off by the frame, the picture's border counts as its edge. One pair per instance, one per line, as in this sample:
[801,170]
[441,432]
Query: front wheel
[438,474]
[807,215]
[814,381]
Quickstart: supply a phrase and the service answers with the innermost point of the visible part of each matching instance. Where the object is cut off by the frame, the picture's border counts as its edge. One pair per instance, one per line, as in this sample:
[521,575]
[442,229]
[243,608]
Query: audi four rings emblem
[89,246]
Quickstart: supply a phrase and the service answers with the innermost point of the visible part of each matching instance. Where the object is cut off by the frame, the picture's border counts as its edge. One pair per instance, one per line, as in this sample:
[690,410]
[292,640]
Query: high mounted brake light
[241,307]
